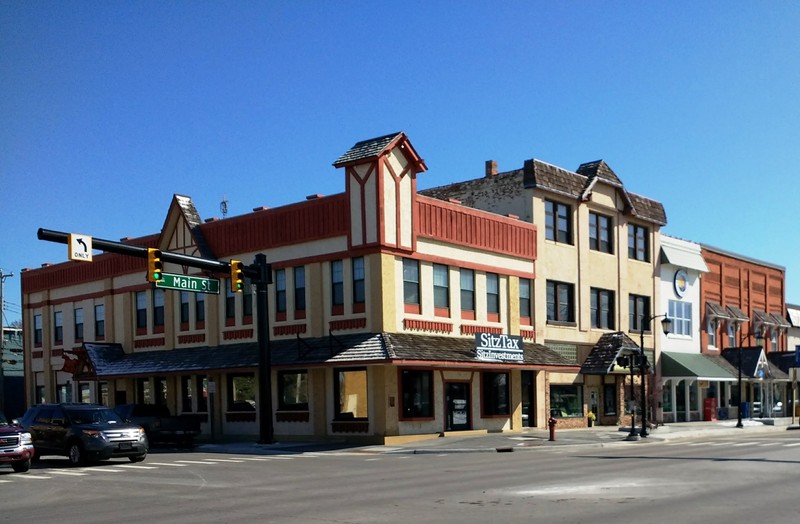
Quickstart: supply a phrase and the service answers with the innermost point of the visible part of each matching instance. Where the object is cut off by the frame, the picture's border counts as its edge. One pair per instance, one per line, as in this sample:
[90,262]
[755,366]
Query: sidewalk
[529,439]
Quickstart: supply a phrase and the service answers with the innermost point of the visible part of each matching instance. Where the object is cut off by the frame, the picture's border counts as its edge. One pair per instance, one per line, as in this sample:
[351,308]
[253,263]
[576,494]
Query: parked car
[160,425]
[16,447]
[83,432]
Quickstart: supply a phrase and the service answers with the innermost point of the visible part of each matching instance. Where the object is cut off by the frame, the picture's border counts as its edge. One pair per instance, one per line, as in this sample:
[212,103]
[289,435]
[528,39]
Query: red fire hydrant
[551,423]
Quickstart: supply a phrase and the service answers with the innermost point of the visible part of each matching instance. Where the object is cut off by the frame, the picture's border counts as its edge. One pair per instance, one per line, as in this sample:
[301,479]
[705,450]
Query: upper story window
[280,293]
[359,289]
[58,325]
[711,329]
[467,278]
[600,233]
[493,296]
[141,310]
[731,334]
[37,330]
[638,243]
[184,314]
[558,222]
[602,308]
[337,286]
[681,315]
[441,289]
[158,308]
[300,291]
[99,321]
[411,285]
[560,301]
[525,311]
[200,310]
[78,324]
[638,312]
[247,304]
[773,339]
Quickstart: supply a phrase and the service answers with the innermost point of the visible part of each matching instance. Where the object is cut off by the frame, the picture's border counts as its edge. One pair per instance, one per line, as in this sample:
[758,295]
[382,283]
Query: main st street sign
[187,283]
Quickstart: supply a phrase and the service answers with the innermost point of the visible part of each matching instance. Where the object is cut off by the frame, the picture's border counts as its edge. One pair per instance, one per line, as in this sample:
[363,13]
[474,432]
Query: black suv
[83,432]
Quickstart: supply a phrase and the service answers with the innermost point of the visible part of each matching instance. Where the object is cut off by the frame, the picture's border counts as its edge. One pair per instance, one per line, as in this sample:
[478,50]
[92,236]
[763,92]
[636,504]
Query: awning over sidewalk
[693,365]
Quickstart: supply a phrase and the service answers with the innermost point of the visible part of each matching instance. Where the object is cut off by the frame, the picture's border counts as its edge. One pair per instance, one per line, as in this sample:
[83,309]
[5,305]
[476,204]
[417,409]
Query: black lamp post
[666,325]
[758,336]
[623,362]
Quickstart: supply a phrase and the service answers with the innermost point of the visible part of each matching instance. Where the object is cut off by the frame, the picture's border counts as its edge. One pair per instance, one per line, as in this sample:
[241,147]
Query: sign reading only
[186,283]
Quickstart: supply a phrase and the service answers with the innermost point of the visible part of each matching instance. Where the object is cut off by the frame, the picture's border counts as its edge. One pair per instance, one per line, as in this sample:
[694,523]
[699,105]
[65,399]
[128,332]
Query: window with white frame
[441,286]
[681,315]
[711,329]
[731,334]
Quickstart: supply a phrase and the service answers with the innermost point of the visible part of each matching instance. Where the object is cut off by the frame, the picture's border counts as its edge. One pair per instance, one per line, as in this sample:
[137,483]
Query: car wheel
[137,458]
[21,467]
[75,454]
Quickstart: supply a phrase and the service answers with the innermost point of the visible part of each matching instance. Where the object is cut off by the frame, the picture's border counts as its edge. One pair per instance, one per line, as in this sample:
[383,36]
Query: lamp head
[666,325]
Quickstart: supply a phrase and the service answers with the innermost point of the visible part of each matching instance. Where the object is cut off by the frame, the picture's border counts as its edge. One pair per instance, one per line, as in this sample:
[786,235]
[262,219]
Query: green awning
[693,365]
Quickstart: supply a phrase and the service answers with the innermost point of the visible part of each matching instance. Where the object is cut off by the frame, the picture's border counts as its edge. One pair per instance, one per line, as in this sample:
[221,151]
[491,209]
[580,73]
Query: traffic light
[237,276]
[155,268]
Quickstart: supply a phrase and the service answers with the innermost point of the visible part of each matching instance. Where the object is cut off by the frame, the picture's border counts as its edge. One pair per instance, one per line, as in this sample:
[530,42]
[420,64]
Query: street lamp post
[758,337]
[666,325]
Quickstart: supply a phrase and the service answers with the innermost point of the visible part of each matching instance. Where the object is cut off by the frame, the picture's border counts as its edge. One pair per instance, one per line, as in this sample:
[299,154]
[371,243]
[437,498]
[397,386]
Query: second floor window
[467,290]
[184,307]
[638,313]
[58,325]
[359,291]
[300,289]
[78,324]
[711,329]
[731,334]
[99,321]
[337,283]
[558,222]
[141,310]
[158,307]
[600,233]
[37,330]
[411,282]
[280,292]
[560,302]
[638,243]
[525,311]
[493,296]
[441,286]
[200,309]
[602,308]
[681,315]
[230,307]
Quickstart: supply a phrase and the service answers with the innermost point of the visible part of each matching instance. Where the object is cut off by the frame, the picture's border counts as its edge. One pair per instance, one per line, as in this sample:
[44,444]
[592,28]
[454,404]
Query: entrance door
[458,408]
[528,400]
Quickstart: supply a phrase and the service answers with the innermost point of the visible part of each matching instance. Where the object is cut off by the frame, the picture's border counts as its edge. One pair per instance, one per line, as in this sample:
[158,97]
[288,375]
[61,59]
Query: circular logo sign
[681,282]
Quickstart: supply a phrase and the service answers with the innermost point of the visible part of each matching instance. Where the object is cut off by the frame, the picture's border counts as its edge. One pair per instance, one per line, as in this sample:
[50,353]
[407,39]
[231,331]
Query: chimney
[491,168]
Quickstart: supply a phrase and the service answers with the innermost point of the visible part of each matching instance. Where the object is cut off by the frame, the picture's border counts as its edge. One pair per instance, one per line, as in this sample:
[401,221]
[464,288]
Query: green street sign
[193,284]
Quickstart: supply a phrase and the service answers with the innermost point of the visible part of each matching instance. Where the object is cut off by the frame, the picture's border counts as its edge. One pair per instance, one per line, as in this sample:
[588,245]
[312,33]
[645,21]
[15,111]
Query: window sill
[561,323]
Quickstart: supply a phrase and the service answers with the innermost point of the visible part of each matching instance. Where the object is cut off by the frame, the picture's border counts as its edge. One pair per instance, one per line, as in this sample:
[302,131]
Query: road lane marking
[195,462]
[739,444]
[792,445]
[69,473]
[34,477]
[167,464]
[223,460]
[133,466]
[765,444]
[257,459]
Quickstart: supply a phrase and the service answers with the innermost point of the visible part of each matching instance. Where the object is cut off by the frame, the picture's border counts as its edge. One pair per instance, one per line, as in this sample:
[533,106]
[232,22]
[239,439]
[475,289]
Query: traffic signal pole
[260,273]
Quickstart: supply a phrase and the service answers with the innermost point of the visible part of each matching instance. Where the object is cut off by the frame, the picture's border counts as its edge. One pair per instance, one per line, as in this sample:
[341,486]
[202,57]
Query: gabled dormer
[381,184]
[181,231]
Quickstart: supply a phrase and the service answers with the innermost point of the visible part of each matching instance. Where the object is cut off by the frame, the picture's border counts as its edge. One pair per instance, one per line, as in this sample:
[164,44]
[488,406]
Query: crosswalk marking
[69,473]
[195,462]
[34,477]
[739,444]
[167,464]
[765,444]
[792,445]
[225,460]
[133,466]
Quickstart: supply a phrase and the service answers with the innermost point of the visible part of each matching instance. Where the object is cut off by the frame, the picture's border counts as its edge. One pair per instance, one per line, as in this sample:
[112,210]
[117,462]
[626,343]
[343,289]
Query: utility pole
[3,277]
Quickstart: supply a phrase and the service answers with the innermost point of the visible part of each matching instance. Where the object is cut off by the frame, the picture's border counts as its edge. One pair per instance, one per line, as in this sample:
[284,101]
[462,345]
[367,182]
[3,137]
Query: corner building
[380,298]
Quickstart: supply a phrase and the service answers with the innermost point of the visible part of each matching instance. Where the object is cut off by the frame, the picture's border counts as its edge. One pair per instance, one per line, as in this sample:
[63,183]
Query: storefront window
[609,399]
[417,393]
[242,392]
[293,390]
[495,394]
[566,401]
[350,388]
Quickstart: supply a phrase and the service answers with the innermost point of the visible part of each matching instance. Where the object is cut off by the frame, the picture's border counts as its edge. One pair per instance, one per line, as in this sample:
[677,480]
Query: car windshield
[93,416]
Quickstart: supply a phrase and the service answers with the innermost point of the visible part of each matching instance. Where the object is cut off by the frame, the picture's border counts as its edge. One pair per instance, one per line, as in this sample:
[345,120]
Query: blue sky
[109,108]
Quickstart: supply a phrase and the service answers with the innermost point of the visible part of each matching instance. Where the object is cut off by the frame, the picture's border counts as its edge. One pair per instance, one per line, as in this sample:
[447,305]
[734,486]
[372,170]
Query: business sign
[489,346]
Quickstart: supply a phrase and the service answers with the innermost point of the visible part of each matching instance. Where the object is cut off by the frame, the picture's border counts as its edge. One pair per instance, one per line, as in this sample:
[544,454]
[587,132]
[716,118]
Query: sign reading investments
[193,284]
[498,347]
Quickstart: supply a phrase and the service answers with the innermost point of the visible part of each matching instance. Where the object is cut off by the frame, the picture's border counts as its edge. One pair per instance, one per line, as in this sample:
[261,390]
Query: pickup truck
[160,425]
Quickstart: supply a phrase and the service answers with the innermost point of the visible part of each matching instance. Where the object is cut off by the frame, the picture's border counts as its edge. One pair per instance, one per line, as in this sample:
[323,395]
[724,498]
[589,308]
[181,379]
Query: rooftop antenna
[223,207]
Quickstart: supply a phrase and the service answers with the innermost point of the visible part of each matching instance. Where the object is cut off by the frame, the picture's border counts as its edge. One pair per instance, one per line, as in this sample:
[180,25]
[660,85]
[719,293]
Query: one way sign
[80,247]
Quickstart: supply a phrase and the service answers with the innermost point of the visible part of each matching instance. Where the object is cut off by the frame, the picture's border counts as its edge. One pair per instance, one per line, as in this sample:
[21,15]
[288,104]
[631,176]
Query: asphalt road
[725,480]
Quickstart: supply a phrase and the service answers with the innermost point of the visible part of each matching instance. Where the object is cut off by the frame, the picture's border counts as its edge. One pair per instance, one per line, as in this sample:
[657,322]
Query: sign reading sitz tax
[186,283]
